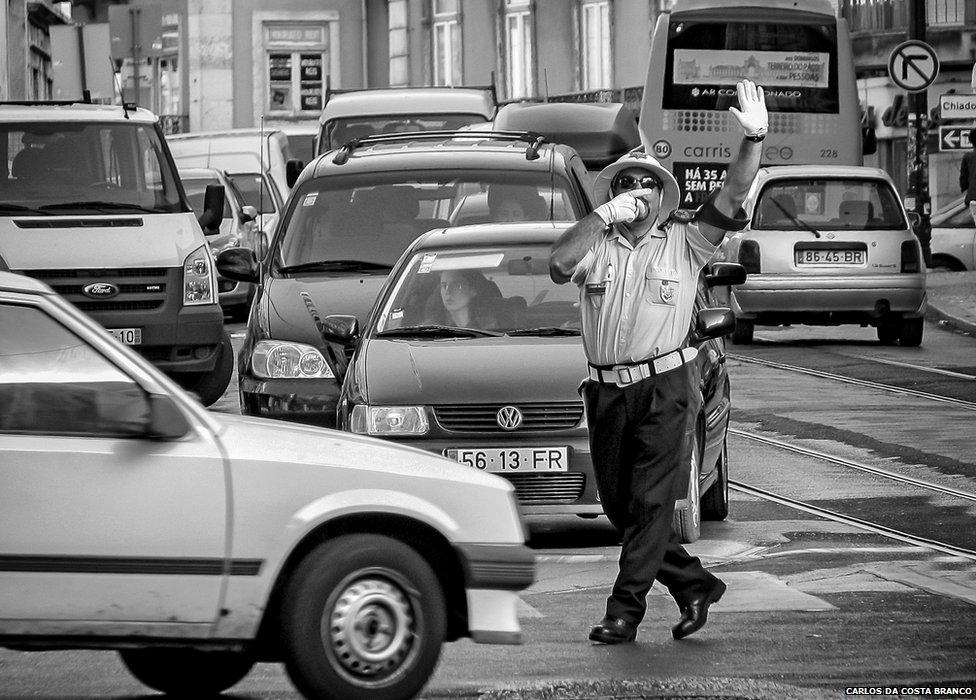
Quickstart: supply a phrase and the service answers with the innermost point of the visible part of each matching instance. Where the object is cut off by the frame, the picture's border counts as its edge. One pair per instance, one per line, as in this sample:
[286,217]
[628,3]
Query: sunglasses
[630,182]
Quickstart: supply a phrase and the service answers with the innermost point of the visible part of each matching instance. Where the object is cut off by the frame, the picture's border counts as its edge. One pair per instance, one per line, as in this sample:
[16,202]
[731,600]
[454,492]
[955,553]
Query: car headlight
[276,359]
[388,420]
[199,279]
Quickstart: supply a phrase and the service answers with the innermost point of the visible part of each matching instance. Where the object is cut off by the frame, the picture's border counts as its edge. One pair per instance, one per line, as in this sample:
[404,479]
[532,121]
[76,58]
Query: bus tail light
[749,256]
[909,256]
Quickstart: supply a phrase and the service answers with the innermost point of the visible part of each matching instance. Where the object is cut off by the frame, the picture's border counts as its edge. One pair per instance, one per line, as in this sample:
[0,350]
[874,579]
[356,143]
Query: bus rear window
[795,64]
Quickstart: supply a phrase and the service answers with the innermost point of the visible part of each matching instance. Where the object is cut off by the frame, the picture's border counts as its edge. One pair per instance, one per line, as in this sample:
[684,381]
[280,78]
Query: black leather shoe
[613,630]
[694,613]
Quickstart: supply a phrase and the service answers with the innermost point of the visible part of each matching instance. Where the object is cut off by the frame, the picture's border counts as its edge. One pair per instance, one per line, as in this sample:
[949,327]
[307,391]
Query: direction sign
[954,106]
[954,138]
[913,65]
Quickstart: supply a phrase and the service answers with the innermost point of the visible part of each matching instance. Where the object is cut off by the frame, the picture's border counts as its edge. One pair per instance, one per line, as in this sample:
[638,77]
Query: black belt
[627,374]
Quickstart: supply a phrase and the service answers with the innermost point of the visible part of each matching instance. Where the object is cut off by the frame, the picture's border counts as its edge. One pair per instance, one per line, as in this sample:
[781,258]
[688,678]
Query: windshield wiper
[19,208]
[545,331]
[331,265]
[789,215]
[439,331]
[98,204]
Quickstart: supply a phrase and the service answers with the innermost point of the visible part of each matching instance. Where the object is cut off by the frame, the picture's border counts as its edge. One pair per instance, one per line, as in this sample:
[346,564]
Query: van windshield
[828,205]
[373,217]
[71,167]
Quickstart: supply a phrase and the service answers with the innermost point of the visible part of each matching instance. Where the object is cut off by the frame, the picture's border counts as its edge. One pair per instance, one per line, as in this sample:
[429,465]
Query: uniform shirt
[636,301]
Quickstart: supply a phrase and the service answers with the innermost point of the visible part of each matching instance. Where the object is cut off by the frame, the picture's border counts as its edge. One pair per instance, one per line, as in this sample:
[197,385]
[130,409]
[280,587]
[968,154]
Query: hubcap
[370,628]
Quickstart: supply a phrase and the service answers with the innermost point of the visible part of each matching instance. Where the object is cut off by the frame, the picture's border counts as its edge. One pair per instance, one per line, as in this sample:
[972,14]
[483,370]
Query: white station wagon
[198,543]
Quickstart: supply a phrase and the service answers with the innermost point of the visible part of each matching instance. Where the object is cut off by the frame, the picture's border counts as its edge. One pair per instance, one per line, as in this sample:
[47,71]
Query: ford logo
[100,290]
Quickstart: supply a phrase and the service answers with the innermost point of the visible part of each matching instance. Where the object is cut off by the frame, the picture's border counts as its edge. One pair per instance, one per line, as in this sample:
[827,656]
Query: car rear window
[373,217]
[339,131]
[828,205]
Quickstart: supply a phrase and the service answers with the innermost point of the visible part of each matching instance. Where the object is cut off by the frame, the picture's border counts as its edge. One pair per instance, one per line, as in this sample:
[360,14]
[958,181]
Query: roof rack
[535,140]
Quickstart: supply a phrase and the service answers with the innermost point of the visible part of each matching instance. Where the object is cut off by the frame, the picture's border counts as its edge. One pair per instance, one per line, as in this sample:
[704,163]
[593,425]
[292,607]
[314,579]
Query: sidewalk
[952,299]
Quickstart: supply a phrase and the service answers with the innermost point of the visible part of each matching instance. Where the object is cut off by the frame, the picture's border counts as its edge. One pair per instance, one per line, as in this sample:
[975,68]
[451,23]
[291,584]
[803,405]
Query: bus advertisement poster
[697,180]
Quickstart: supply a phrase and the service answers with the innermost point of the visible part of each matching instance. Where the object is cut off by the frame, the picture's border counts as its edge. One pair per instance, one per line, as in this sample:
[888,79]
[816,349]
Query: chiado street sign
[954,106]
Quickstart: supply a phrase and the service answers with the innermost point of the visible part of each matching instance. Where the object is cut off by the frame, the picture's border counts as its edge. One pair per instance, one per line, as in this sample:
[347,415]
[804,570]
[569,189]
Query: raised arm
[754,120]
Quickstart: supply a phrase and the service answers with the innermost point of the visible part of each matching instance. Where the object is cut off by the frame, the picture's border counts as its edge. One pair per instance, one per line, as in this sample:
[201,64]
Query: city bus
[799,51]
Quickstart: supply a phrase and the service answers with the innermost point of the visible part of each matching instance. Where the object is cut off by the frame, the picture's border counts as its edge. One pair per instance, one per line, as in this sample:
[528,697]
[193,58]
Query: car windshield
[85,168]
[501,289]
[339,131]
[828,205]
[196,191]
[255,190]
[373,217]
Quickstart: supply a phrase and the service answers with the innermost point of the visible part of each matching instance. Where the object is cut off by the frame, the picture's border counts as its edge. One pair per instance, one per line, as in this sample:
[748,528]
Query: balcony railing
[893,15]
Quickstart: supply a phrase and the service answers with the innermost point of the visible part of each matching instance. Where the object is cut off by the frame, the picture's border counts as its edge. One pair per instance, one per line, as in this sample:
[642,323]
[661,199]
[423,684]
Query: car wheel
[363,616]
[742,335]
[687,521]
[910,333]
[187,672]
[715,501]
[209,387]
[888,332]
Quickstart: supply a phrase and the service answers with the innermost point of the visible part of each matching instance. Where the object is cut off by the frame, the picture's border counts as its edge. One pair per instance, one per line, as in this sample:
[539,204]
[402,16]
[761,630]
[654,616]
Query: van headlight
[199,279]
[388,420]
[276,359]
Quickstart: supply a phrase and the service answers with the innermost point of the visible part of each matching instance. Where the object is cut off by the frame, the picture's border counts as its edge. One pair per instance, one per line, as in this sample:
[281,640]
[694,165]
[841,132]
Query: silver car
[827,246]
[953,238]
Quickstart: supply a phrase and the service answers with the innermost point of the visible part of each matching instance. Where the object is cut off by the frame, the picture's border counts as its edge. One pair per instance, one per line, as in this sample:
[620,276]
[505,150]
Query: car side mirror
[915,219]
[869,140]
[713,323]
[248,213]
[724,274]
[293,168]
[261,245]
[166,420]
[341,329]
[239,264]
[213,209]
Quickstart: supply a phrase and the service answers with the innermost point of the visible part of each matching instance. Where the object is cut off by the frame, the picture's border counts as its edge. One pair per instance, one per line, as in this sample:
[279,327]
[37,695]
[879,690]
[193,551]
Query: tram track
[958,403]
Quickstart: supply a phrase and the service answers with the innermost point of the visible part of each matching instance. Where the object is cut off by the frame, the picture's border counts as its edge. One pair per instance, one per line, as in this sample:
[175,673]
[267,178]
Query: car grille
[543,489]
[481,418]
[140,288]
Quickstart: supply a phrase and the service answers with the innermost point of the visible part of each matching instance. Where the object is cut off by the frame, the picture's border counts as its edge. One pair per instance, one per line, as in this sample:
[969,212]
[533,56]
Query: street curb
[945,319]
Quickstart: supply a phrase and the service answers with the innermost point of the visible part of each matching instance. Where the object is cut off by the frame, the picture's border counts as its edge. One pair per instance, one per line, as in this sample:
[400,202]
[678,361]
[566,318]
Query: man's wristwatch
[755,138]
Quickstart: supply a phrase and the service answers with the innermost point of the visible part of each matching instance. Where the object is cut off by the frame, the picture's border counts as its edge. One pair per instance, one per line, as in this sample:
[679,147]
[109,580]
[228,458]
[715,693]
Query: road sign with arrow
[954,138]
[913,65]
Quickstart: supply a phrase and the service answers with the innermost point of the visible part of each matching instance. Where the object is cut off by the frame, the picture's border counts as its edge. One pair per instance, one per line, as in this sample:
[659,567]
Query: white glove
[625,208]
[751,114]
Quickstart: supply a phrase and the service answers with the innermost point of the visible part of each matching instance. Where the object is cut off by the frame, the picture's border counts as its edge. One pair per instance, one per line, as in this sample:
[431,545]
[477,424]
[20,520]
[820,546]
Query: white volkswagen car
[197,543]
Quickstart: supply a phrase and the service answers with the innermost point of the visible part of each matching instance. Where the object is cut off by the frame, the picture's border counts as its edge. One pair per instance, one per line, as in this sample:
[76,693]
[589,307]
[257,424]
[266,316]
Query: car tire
[187,672]
[715,501]
[742,335]
[910,333]
[888,332]
[687,521]
[210,386]
[362,616]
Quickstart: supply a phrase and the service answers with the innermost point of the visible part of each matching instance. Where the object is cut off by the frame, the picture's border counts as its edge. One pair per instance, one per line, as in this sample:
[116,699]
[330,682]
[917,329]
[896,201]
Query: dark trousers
[637,442]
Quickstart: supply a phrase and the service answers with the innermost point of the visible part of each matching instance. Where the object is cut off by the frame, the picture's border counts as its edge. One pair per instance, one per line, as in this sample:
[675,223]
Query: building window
[447,42]
[41,84]
[399,47]
[595,40]
[297,63]
[519,49]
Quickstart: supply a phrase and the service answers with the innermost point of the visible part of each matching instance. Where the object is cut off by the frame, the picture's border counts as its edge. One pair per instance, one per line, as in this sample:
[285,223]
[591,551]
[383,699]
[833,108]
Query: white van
[91,204]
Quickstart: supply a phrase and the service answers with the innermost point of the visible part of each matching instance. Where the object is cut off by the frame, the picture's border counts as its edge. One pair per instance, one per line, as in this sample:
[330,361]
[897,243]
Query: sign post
[913,66]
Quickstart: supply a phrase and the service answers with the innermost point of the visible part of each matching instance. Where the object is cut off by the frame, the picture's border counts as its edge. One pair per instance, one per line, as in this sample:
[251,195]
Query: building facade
[25,59]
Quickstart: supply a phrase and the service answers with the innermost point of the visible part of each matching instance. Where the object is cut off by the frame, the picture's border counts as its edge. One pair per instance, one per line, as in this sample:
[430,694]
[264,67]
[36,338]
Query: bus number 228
[828,152]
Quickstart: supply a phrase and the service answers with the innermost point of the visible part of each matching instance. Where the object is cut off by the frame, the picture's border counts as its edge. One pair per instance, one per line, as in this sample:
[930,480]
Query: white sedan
[198,544]
[953,238]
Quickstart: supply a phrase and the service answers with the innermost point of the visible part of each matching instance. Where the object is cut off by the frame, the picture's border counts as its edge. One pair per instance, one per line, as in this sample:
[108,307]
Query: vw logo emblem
[509,417]
[100,290]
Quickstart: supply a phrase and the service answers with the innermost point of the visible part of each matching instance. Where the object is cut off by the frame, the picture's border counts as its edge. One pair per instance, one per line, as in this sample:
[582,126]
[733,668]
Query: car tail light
[749,256]
[910,256]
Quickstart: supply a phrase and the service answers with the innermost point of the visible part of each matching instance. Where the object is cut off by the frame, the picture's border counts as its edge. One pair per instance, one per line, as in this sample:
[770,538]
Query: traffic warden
[637,280]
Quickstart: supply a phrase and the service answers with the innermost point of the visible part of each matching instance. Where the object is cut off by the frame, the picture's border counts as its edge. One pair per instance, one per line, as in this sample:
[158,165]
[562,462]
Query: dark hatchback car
[497,391]
[351,215]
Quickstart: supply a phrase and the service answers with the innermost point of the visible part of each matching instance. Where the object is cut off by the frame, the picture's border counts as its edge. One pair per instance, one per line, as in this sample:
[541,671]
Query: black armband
[707,213]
